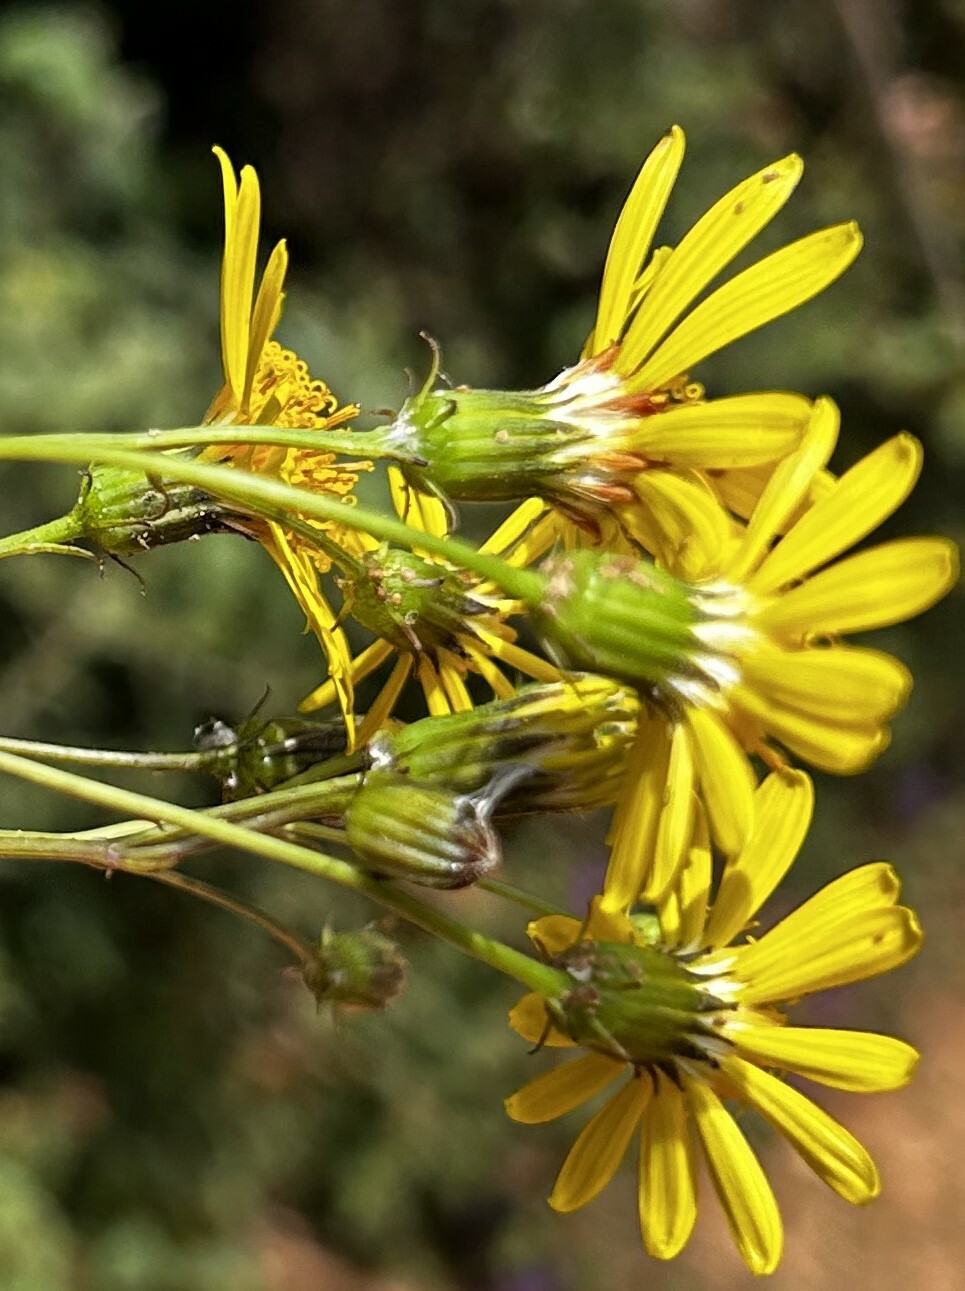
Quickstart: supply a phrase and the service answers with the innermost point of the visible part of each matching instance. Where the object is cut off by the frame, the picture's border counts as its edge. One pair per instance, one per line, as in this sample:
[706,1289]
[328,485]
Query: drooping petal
[716,238]
[668,1176]
[637,817]
[788,485]
[726,779]
[683,908]
[739,1181]
[862,498]
[633,235]
[884,585]
[559,1091]
[859,1061]
[832,1153]
[554,933]
[595,1157]
[770,288]
[362,666]
[528,1019]
[743,430]
[683,524]
[783,805]
[675,824]
[382,706]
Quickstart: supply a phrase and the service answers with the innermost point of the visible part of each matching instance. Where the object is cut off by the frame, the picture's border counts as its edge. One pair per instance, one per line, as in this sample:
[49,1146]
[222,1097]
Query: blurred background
[174,1113]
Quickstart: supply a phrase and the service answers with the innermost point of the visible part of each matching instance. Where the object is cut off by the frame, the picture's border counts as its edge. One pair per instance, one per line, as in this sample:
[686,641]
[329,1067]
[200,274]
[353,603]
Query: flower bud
[431,836]
[362,969]
[634,1003]
[567,739]
[122,512]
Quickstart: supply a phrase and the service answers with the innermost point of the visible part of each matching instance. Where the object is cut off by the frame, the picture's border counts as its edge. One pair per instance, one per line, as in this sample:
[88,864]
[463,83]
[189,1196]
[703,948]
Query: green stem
[254,491]
[110,758]
[300,951]
[510,892]
[381,442]
[51,536]
[523,968]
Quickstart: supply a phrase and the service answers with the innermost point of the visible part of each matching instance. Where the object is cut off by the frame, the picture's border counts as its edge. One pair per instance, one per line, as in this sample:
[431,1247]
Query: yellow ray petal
[683,909]
[819,947]
[381,708]
[559,1091]
[783,805]
[739,1181]
[832,1153]
[859,1061]
[862,498]
[516,525]
[841,749]
[594,1158]
[676,821]
[744,430]
[726,779]
[634,828]
[786,488]
[554,933]
[740,489]
[362,665]
[633,235]
[238,281]
[884,585]
[266,314]
[684,525]
[668,1177]
[846,685]
[768,289]
[716,238]
[528,1019]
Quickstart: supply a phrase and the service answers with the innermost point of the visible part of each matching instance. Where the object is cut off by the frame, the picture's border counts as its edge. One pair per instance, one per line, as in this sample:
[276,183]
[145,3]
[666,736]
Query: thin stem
[254,491]
[55,535]
[109,758]
[523,968]
[380,442]
[509,892]
[300,950]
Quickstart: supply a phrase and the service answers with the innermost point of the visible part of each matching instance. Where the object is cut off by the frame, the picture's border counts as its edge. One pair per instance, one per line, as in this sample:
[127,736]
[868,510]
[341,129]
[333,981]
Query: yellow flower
[768,671]
[438,623]
[723,1039]
[626,423]
[267,385]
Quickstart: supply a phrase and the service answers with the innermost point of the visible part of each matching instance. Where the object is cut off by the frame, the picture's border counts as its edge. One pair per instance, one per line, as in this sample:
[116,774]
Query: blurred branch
[865,24]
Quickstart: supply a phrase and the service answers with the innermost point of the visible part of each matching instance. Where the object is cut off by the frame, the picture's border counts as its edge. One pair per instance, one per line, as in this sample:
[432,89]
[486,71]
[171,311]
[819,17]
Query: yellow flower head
[756,615]
[626,424]
[693,1019]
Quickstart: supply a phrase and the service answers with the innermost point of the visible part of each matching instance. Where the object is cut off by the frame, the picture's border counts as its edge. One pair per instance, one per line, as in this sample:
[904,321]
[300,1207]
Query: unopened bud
[568,741]
[362,969]
[121,512]
[407,830]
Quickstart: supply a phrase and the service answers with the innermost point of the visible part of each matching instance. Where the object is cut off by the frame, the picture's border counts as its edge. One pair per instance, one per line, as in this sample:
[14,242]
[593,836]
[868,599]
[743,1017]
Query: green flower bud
[568,441]
[261,754]
[609,613]
[568,740]
[411,602]
[635,1003]
[361,969]
[431,836]
[121,512]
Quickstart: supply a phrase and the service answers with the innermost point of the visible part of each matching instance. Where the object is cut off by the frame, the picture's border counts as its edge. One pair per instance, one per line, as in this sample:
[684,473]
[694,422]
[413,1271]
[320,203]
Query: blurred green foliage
[174,1115]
